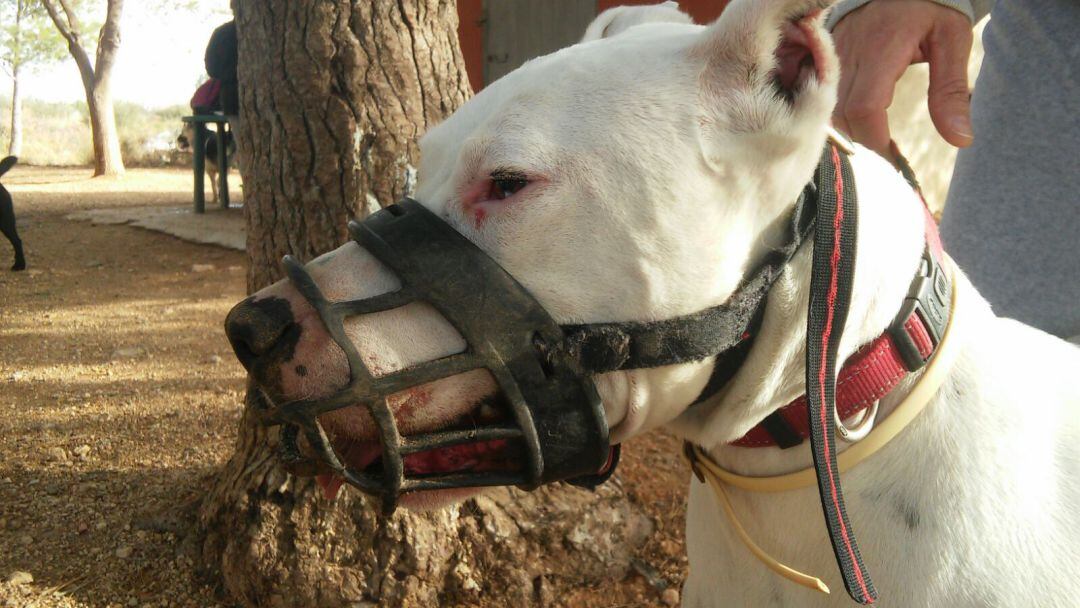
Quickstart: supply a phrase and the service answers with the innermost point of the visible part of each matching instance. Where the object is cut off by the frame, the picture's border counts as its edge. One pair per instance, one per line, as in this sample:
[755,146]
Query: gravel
[19,577]
[107,392]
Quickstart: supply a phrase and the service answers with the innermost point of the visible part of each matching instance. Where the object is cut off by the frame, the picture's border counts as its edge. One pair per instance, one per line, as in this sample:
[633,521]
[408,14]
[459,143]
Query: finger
[949,97]
[838,120]
[870,96]
[848,67]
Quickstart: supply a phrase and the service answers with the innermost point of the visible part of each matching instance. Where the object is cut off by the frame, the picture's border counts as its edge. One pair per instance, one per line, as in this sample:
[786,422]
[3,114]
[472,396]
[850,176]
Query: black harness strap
[781,431]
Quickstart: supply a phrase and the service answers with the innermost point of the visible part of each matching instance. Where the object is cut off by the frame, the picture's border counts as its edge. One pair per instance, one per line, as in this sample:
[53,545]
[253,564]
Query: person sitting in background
[221,60]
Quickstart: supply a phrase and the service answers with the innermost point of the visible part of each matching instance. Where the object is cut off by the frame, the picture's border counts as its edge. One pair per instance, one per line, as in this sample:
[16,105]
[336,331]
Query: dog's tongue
[484,456]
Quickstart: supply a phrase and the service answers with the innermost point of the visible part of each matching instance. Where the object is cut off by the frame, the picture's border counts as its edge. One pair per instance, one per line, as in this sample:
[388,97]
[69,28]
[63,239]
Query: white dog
[640,177]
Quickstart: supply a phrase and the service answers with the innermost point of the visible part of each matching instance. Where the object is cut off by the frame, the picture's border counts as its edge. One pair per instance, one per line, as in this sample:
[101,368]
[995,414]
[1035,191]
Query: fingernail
[961,126]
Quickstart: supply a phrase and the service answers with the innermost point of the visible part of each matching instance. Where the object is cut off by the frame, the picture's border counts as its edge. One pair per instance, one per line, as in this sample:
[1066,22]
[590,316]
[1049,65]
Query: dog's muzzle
[543,370]
[555,415]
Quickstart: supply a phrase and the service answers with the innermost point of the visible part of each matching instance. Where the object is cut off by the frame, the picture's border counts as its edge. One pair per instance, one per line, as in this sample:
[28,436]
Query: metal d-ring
[862,427]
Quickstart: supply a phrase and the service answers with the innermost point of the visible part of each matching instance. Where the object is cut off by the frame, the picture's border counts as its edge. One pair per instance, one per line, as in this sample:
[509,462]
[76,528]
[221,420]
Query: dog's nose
[261,329]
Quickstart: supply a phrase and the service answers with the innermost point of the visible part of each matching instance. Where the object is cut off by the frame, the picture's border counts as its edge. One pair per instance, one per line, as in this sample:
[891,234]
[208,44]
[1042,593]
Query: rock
[202,267]
[15,376]
[100,524]
[58,454]
[465,579]
[19,577]
[93,264]
[82,452]
[649,573]
[670,597]
[26,539]
[82,528]
[124,552]
[213,359]
[128,352]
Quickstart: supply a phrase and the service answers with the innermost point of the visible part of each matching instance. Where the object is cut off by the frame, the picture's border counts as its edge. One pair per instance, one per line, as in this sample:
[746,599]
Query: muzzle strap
[725,331]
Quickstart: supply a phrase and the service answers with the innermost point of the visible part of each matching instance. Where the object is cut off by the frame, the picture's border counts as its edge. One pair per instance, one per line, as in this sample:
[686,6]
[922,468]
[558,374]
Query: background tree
[333,94]
[27,38]
[96,76]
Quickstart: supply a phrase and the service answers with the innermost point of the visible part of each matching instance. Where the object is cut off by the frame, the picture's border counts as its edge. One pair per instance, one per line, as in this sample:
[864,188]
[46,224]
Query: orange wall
[703,11]
[471,27]
[471,34]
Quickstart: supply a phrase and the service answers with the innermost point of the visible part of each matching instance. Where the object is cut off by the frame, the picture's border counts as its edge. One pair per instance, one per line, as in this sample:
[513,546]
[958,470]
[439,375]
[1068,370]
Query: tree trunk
[107,157]
[15,143]
[333,94]
[96,79]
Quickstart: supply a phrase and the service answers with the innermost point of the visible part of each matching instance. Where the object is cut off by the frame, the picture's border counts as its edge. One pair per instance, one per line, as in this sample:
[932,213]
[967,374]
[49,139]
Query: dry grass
[58,134]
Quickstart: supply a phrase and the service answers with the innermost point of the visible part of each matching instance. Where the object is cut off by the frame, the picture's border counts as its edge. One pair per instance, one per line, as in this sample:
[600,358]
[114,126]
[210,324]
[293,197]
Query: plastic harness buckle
[927,302]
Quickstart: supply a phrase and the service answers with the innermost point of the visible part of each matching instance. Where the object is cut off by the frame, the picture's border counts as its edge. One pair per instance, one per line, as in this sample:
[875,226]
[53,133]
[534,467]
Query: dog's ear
[620,18]
[767,62]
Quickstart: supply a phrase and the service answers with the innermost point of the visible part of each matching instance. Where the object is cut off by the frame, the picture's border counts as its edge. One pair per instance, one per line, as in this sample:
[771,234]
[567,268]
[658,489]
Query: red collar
[878,367]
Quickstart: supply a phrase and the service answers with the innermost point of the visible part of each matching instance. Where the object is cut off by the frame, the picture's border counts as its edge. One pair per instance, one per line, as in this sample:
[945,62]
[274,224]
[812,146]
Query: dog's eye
[505,184]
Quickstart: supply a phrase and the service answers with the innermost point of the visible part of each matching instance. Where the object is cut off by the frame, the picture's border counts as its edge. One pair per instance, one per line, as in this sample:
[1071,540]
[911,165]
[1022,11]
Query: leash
[831,281]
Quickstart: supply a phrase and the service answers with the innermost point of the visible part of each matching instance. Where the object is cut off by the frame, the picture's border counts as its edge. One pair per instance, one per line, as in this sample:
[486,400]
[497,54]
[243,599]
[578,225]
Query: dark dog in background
[184,143]
[7,216]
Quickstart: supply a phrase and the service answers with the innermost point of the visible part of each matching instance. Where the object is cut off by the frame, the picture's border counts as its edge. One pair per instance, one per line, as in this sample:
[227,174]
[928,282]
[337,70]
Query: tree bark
[15,141]
[333,94]
[96,78]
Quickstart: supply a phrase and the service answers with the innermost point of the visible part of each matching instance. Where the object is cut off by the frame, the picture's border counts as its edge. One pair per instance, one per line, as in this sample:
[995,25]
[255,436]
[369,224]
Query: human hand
[877,42]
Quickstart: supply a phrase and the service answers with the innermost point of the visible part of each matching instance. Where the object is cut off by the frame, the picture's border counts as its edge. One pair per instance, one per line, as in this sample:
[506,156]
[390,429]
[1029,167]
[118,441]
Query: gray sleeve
[974,9]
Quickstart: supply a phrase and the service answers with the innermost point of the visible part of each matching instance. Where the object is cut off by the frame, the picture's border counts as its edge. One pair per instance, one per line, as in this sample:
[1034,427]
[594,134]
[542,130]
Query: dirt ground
[119,397]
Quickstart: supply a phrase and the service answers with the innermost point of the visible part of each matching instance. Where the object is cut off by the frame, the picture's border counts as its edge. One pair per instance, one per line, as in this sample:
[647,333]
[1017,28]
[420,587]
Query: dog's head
[184,139]
[7,163]
[636,177]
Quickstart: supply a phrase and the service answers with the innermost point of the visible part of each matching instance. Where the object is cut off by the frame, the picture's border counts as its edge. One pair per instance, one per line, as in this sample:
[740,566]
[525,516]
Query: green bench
[199,123]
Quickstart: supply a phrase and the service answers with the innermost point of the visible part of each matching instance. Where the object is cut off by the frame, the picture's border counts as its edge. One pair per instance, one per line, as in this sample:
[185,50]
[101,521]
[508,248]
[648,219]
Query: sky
[160,61]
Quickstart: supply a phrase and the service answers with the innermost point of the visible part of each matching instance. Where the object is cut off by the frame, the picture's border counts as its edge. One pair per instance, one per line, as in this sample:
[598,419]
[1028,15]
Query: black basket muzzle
[555,415]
